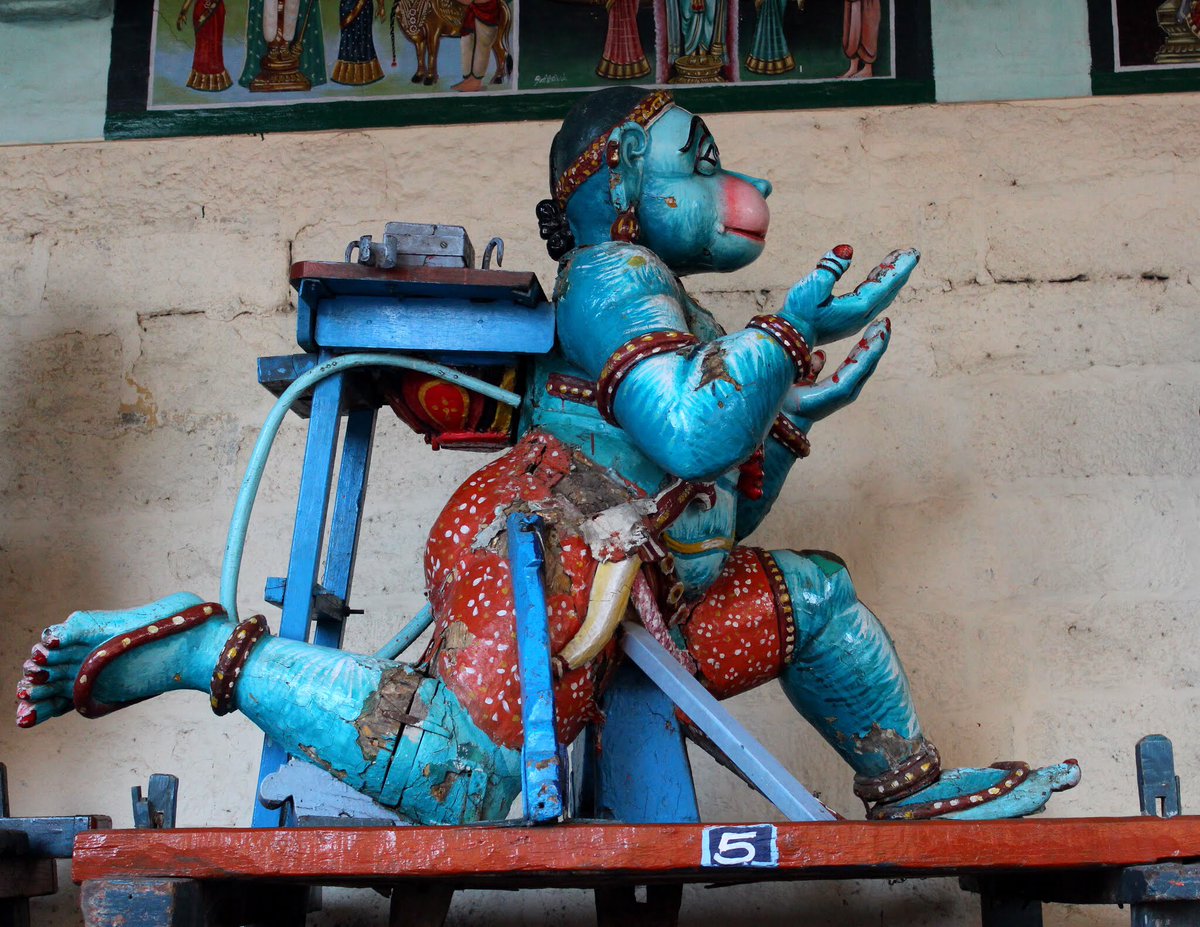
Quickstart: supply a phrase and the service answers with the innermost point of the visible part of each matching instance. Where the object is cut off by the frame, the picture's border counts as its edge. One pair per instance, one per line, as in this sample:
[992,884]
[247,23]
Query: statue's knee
[820,588]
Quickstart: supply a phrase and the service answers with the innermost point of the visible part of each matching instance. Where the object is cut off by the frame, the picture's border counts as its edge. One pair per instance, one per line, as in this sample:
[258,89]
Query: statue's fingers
[817,288]
[815,366]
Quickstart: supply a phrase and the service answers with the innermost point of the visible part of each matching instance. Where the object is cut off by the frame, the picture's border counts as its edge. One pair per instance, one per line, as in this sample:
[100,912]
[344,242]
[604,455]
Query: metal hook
[497,245]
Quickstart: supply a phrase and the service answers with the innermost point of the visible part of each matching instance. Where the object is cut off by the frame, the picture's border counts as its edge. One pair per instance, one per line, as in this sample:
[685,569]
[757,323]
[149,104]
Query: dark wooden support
[420,904]
[143,903]
[999,910]
[618,906]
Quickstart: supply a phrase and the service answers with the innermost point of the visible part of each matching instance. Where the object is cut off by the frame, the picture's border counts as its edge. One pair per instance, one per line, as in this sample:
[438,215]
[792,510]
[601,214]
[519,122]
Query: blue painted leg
[847,681]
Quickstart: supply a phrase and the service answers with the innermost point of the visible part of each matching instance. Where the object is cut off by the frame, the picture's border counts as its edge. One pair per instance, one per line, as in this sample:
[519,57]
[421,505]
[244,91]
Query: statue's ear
[626,155]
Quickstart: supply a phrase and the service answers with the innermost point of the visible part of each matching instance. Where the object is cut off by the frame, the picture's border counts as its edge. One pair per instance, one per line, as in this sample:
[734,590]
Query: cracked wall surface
[1016,493]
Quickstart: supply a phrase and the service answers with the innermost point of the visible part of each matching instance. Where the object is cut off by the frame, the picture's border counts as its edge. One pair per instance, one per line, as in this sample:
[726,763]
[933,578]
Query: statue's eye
[708,159]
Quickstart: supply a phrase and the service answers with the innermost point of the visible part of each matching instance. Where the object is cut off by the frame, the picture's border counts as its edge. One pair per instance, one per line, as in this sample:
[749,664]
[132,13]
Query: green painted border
[1175,80]
[369,114]
[1108,81]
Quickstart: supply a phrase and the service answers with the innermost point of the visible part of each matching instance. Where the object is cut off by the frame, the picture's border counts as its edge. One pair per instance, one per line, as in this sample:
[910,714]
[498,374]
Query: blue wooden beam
[342,549]
[543,763]
[382,323]
[642,776]
[308,536]
[778,785]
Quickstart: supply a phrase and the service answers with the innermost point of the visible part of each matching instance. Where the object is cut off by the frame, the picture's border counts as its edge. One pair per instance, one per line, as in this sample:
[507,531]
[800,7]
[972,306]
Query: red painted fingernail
[38,655]
[48,638]
[35,675]
[887,323]
[22,695]
[845,252]
[26,716]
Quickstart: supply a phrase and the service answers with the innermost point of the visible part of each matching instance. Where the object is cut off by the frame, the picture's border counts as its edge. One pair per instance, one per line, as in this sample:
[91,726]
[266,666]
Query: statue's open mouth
[759,237]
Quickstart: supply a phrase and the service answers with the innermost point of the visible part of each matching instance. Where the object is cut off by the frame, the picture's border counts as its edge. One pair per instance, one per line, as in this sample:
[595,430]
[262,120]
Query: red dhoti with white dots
[735,631]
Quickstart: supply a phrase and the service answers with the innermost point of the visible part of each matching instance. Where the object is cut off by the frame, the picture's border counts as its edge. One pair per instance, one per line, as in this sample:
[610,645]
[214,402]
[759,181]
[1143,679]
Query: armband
[628,356]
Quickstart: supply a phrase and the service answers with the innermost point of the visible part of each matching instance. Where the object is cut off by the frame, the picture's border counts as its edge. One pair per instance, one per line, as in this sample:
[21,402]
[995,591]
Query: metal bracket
[157,810]
[1158,786]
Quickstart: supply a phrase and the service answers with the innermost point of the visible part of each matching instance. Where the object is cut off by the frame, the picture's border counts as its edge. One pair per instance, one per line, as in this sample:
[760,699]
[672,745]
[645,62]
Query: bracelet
[789,336]
[784,430]
[233,657]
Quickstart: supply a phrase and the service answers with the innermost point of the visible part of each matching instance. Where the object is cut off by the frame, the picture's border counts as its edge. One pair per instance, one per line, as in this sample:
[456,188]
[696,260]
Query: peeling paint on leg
[893,747]
[387,711]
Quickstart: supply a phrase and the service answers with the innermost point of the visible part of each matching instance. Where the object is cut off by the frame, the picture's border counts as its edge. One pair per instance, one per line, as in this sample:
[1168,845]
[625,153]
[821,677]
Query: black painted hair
[595,114]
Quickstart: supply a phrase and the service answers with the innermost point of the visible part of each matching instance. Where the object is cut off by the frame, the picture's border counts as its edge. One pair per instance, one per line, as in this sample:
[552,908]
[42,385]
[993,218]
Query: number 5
[737,842]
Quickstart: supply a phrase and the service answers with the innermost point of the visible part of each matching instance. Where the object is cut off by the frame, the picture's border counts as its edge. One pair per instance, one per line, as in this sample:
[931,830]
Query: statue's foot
[470,84]
[181,646]
[867,70]
[851,71]
[1005,790]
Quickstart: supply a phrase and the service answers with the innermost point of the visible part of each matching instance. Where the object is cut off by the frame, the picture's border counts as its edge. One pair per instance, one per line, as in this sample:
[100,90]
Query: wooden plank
[587,854]
[498,282]
[440,322]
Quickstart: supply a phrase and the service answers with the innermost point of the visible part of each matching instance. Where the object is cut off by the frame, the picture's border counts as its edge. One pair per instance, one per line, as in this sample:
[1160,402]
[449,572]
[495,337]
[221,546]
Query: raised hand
[807,403]
[822,317]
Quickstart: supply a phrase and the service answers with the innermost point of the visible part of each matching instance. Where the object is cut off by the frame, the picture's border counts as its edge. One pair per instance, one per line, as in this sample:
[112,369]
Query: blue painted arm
[695,413]
[807,404]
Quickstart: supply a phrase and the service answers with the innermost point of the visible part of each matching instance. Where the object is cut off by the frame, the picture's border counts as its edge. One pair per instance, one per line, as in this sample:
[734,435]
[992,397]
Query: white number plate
[733,847]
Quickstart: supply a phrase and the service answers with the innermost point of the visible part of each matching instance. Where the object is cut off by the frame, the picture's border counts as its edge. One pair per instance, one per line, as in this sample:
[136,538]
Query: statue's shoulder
[612,270]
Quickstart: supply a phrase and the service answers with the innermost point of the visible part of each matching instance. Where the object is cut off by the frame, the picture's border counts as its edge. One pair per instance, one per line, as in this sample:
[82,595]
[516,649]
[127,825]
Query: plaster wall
[1016,492]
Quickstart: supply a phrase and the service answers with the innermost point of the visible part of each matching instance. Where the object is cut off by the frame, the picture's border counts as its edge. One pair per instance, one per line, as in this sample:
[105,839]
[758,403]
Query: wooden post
[420,904]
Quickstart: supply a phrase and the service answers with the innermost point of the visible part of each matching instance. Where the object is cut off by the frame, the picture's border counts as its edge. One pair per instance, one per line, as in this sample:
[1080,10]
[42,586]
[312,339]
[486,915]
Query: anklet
[234,655]
[99,659]
[907,778]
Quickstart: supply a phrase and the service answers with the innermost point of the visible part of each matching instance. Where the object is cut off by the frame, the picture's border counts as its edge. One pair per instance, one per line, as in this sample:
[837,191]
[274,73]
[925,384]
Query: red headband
[592,158]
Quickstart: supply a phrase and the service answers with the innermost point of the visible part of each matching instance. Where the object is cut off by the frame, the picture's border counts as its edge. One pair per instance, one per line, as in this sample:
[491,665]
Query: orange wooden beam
[583,854]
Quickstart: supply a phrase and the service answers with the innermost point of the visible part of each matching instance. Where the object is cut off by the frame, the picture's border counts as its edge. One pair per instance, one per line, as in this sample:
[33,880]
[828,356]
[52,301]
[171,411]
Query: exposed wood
[588,854]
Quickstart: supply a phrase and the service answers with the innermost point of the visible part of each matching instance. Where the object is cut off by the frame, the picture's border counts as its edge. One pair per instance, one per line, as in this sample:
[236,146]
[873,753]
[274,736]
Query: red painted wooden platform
[588,854]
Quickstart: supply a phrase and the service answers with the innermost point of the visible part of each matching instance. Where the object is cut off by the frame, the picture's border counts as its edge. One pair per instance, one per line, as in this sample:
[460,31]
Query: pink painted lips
[746,212]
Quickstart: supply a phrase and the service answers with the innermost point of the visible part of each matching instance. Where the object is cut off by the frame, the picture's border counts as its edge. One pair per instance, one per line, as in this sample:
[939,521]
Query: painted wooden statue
[646,419]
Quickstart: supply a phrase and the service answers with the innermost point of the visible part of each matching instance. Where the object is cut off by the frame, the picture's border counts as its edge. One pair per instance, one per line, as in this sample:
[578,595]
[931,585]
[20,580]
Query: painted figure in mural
[696,39]
[623,57]
[285,48]
[357,62]
[208,59]
[480,30]
[646,407]
[425,22]
[860,36]
[769,52]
